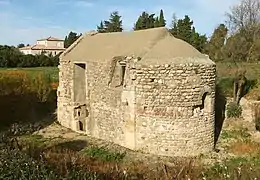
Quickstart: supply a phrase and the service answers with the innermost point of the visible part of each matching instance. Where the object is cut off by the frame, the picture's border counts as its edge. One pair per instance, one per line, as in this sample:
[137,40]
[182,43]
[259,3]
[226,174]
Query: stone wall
[160,109]
[64,93]
[171,118]
[105,101]
[101,110]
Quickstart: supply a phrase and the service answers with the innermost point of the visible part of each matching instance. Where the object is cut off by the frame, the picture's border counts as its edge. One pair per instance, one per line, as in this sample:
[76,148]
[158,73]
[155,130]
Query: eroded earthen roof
[155,45]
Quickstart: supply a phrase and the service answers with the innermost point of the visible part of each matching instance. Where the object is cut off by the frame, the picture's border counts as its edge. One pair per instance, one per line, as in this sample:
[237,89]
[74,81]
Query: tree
[147,21]
[184,29]
[197,40]
[144,21]
[217,42]
[162,21]
[114,24]
[254,51]
[244,22]
[141,21]
[236,48]
[101,28]
[156,22]
[20,45]
[244,16]
[70,39]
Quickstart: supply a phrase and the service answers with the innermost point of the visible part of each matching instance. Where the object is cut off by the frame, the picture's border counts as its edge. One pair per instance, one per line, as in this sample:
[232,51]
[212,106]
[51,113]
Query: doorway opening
[79,82]
[81,126]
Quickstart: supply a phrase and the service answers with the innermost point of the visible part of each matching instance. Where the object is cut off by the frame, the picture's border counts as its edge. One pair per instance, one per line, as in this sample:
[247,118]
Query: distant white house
[47,46]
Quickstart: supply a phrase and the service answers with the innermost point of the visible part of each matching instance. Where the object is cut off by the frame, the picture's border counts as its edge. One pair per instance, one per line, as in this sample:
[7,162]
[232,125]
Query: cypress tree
[162,21]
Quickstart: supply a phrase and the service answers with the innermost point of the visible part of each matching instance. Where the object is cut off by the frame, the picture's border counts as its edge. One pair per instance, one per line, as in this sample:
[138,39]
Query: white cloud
[82,3]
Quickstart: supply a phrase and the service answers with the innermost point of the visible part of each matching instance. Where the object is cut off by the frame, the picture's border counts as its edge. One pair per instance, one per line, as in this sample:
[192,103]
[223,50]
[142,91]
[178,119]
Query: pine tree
[145,21]
[162,21]
[71,38]
[156,23]
[114,24]
[216,42]
[184,29]
[142,21]
[101,28]
[150,21]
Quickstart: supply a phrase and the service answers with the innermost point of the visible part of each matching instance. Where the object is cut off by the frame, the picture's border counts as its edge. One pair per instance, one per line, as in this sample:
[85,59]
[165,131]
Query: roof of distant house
[41,47]
[50,38]
[26,48]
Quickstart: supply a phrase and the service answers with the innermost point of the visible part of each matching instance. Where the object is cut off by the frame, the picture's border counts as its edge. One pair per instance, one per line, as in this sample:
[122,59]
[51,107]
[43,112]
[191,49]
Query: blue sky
[24,21]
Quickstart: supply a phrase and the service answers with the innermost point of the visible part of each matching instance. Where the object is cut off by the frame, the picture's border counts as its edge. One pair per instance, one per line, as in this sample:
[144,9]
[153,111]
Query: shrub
[234,110]
[16,165]
[226,85]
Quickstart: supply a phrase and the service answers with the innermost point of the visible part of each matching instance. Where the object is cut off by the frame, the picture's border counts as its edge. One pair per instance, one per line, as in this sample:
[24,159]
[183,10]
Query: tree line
[10,56]
[238,39]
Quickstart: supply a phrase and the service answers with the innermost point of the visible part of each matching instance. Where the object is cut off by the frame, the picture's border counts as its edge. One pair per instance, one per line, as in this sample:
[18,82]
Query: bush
[226,85]
[234,110]
[24,98]
[17,165]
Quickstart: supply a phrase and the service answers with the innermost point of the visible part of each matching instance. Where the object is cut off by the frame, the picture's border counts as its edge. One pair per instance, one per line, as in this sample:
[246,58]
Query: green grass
[235,134]
[53,72]
[104,154]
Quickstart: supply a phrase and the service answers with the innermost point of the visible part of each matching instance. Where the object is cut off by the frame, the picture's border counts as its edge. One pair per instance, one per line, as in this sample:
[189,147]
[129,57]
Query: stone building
[145,90]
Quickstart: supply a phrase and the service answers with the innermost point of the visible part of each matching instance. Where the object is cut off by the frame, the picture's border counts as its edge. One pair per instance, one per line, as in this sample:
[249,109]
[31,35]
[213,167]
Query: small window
[206,102]
[122,74]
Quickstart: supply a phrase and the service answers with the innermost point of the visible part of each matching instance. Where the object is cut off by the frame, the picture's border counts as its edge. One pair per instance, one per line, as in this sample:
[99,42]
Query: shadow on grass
[26,113]
[75,145]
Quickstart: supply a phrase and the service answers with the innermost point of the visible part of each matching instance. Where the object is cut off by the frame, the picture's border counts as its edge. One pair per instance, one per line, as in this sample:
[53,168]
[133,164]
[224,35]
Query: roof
[50,38]
[41,47]
[25,48]
[154,46]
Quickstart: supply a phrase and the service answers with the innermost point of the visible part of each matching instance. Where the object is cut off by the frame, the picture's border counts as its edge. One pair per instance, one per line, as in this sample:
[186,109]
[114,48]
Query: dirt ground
[237,138]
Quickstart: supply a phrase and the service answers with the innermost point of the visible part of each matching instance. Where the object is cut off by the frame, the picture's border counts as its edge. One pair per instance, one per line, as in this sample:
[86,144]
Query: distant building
[47,46]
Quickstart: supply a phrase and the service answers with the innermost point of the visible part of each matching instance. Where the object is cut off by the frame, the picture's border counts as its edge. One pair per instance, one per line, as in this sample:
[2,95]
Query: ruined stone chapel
[145,90]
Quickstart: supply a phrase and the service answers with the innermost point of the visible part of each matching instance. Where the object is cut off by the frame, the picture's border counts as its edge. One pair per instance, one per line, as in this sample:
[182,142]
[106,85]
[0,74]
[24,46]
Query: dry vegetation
[49,154]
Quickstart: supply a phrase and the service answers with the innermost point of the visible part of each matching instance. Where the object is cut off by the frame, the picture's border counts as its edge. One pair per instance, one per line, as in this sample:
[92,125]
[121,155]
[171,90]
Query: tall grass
[24,97]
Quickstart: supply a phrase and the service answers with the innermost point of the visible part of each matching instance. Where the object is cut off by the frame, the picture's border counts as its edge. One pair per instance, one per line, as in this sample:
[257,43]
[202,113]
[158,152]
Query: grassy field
[225,73]
[53,72]
[224,70]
